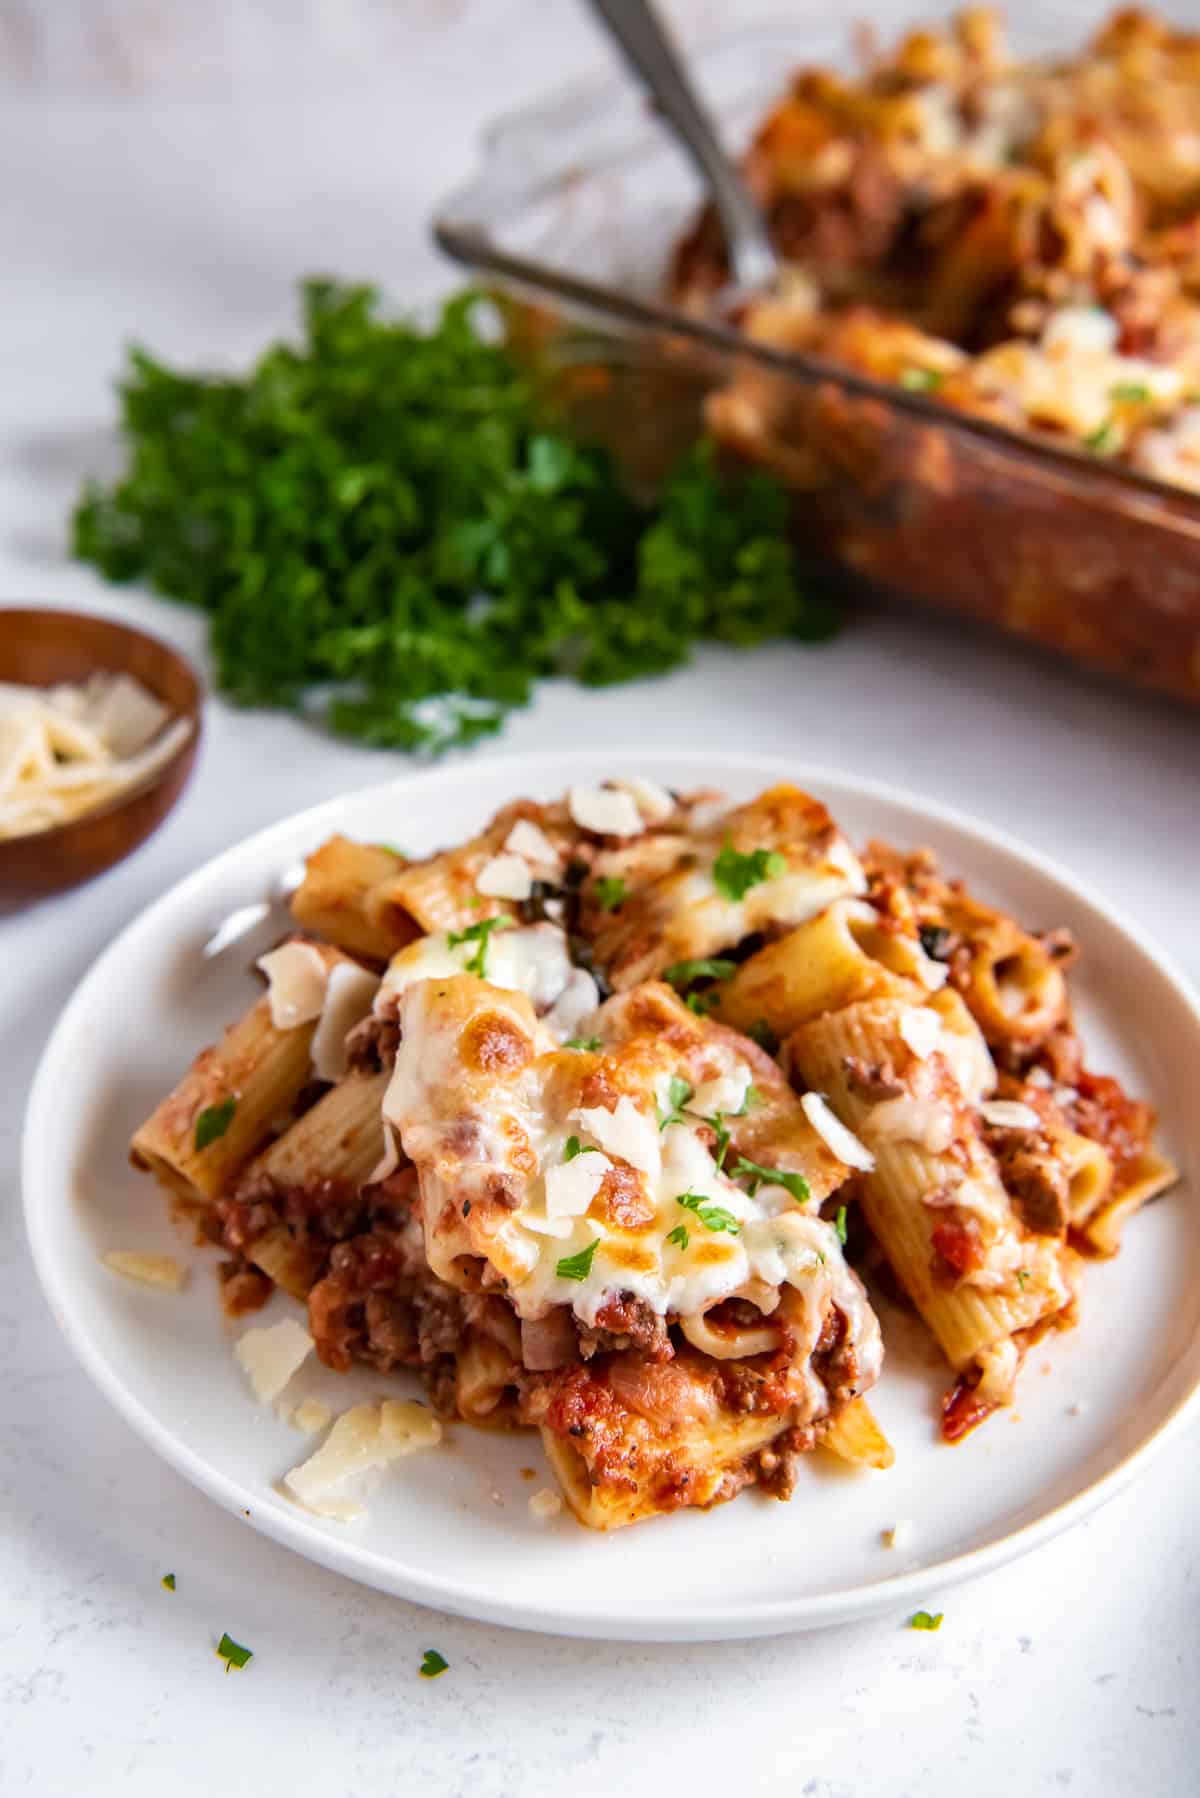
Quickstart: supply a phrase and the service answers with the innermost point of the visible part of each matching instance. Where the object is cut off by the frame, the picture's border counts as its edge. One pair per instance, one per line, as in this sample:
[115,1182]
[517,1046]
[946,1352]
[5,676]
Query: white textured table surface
[185,220]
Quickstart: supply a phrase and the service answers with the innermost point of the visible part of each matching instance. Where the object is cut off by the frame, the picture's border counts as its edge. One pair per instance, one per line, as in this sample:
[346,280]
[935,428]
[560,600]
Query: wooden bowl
[39,646]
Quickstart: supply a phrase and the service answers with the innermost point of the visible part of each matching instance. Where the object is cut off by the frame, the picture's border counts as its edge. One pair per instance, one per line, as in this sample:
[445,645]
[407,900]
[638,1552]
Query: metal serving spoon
[653,58]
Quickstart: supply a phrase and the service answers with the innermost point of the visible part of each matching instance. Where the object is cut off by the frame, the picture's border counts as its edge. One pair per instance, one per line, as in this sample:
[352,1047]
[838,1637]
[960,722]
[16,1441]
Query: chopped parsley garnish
[575,1147]
[921,380]
[578,1267]
[168,1582]
[796,1184]
[708,967]
[752,1100]
[389,522]
[721,1132]
[1101,439]
[1134,393]
[713,1217]
[392,849]
[232,1653]
[679,1236]
[734,874]
[678,1094]
[610,891]
[432,1664]
[760,1032]
[1022,1276]
[480,934]
[591,1044]
[702,1003]
[214,1121]
[839,1224]
[935,939]
[926,1620]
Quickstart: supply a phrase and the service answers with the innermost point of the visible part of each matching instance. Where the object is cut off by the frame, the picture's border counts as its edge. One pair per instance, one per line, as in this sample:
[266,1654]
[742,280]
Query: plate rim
[441,1590]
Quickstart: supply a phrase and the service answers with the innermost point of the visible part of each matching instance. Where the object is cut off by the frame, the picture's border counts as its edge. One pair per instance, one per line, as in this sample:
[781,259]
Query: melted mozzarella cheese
[534,960]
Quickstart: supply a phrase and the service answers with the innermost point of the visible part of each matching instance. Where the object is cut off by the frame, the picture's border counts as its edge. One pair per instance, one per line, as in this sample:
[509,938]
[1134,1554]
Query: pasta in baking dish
[595,1120]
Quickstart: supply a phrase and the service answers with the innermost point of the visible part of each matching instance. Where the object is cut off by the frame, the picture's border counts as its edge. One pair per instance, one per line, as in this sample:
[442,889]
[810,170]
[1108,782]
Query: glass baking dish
[575,212]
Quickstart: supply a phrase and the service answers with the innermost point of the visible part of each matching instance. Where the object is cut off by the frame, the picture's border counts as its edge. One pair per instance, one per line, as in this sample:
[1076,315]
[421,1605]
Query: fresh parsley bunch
[388,529]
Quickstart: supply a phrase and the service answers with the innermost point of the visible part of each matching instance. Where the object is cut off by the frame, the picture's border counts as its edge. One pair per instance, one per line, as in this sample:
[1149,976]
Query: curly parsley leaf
[433,1664]
[760,1032]
[389,527]
[734,874]
[926,1620]
[591,1044]
[480,934]
[167,1582]
[214,1121]
[758,1176]
[713,1217]
[678,1093]
[578,1267]
[611,891]
[679,1236]
[839,1224]
[707,967]
[575,1147]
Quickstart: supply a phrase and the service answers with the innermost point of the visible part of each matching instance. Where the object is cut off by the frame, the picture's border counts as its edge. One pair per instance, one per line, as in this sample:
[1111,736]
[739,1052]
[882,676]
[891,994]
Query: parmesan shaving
[296,981]
[269,1356]
[571,1187]
[545,1504]
[625,1132]
[68,750]
[900,1534]
[505,877]
[311,1416]
[530,841]
[653,802]
[349,995]
[841,1141]
[364,1438]
[1009,1114]
[925,1122]
[932,974]
[920,1029]
[162,1271]
[607,811]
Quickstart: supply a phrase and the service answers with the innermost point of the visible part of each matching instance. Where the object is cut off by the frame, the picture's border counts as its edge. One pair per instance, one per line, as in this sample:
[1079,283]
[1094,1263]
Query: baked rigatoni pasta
[590,1121]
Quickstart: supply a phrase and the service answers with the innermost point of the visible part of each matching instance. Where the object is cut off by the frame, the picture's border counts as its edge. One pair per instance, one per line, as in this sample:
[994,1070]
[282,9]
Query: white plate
[452,1528]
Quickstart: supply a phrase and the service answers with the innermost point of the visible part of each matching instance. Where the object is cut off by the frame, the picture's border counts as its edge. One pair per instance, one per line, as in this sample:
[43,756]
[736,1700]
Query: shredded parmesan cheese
[271,1355]
[837,1138]
[67,750]
[605,810]
[505,877]
[162,1271]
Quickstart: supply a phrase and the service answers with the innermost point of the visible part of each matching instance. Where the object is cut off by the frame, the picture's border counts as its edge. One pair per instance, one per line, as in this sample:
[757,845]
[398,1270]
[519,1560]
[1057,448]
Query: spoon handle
[653,58]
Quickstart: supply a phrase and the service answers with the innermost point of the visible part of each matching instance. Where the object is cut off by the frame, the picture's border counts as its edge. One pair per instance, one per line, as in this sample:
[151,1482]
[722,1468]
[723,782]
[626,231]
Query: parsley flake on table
[391,526]
[167,1582]
[214,1121]
[734,874]
[433,1664]
[926,1620]
[232,1653]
